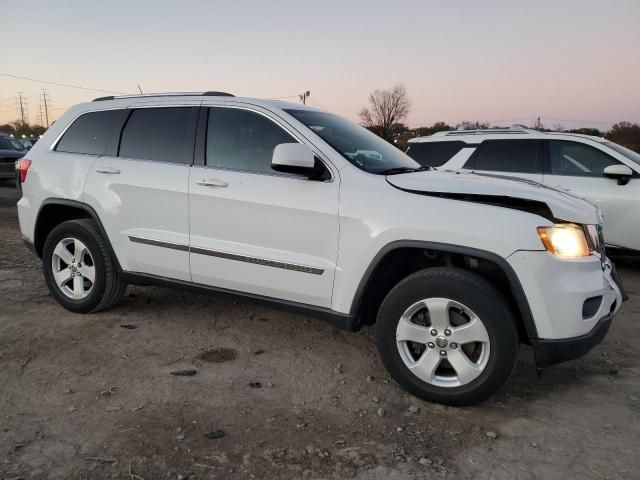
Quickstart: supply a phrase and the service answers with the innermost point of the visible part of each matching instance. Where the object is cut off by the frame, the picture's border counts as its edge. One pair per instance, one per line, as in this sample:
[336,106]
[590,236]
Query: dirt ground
[278,395]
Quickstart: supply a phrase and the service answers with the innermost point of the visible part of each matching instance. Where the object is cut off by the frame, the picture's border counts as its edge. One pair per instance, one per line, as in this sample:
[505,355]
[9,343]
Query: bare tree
[386,108]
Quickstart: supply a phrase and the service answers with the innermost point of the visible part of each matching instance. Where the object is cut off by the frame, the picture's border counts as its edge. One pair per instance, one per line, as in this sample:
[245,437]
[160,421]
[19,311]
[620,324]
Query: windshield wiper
[397,170]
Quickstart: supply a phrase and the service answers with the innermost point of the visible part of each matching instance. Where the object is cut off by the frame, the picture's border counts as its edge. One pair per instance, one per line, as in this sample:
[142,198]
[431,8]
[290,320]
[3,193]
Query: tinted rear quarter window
[518,156]
[92,132]
[434,154]
[161,134]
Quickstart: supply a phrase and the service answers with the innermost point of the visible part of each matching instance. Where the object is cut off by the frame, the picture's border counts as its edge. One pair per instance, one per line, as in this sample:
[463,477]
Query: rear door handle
[560,187]
[212,182]
[109,170]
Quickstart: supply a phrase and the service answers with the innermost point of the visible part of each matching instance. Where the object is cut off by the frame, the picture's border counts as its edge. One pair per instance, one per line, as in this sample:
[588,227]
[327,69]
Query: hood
[507,192]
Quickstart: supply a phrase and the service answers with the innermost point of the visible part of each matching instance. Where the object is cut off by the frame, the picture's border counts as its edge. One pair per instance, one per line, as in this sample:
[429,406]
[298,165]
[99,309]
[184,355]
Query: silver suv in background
[594,168]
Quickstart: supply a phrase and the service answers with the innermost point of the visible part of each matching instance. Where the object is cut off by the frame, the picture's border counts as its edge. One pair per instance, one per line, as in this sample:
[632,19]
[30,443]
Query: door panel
[267,235]
[140,191]
[578,168]
[620,205]
[144,210]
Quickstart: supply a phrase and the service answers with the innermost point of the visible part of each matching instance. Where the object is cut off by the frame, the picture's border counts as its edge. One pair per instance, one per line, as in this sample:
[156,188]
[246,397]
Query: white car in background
[594,168]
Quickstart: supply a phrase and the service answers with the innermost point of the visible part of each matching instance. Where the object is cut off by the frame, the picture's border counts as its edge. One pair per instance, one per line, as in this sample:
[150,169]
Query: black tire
[484,300]
[108,287]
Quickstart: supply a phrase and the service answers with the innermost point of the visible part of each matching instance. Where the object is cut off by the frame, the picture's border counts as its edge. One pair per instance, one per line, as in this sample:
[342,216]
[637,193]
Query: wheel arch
[414,255]
[54,211]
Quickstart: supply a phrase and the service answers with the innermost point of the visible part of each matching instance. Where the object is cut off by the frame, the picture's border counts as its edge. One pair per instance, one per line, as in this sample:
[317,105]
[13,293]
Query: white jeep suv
[299,208]
[595,168]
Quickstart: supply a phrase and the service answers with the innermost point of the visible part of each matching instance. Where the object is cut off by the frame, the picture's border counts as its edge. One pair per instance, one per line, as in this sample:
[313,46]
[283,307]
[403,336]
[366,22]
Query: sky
[571,62]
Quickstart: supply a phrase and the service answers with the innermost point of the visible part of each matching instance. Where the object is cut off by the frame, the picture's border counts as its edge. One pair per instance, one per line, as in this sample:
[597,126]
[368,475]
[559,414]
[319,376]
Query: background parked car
[594,168]
[29,142]
[10,151]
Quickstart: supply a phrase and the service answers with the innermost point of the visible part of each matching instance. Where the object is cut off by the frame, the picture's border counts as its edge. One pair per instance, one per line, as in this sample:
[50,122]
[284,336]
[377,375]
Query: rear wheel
[447,336]
[79,269]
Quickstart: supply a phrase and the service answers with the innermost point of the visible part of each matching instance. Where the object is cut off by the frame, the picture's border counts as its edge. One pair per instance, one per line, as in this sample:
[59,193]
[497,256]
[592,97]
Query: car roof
[101,103]
[477,136]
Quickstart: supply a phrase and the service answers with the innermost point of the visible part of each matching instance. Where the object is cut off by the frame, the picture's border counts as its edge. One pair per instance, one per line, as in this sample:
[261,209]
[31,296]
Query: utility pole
[40,114]
[46,106]
[304,96]
[538,124]
[22,116]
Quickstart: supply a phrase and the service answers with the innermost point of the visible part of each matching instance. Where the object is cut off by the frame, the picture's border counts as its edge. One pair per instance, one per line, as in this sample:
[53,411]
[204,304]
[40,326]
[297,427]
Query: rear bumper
[7,170]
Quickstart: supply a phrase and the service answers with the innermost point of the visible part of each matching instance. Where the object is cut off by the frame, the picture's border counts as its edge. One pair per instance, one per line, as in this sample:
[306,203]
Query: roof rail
[513,129]
[210,93]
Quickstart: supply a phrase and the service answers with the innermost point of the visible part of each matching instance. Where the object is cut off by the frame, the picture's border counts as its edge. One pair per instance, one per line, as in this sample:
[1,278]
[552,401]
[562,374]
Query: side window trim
[200,150]
[114,144]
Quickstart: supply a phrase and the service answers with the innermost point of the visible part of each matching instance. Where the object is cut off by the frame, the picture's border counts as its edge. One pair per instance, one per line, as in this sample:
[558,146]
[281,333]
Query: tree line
[384,116]
[387,109]
[18,129]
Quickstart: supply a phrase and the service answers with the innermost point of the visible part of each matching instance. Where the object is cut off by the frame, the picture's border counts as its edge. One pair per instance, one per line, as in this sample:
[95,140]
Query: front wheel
[447,336]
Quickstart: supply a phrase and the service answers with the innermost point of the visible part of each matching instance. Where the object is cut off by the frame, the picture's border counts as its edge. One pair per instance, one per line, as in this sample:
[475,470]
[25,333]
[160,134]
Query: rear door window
[434,154]
[517,156]
[92,133]
[164,134]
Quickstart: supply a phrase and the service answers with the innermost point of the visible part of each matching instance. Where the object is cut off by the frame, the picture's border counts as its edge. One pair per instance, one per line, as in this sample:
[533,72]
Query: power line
[282,98]
[319,104]
[59,84]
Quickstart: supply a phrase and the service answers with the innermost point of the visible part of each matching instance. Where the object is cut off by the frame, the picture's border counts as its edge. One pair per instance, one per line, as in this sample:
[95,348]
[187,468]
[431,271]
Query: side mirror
[622,173]
[293,158]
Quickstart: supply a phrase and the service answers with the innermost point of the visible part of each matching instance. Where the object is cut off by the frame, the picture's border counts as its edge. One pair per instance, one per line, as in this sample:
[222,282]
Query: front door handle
[560,187]
[212,182]
[109,170]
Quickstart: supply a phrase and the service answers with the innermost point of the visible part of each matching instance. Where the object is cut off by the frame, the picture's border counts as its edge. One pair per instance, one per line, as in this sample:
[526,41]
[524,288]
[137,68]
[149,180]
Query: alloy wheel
[73,268]
[443,342]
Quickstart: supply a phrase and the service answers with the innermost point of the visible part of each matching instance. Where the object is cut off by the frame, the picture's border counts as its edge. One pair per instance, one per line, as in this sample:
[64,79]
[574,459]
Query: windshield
[358,145]
[630,154]
[10,144]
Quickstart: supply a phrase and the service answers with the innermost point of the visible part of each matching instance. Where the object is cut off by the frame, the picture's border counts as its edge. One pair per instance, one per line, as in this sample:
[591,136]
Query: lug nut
[443,353]
[79,274]
[79,264]
[447,332]
[431,345]
[73,275]
[73,260]
[453,345]
[434,332]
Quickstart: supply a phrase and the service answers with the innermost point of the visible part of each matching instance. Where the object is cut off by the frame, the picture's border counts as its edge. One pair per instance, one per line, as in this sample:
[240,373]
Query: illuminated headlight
[565,240]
